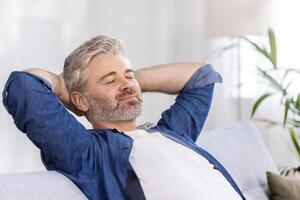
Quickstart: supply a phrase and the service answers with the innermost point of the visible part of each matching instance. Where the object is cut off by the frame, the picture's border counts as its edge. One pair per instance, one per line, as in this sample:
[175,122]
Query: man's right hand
[59,86]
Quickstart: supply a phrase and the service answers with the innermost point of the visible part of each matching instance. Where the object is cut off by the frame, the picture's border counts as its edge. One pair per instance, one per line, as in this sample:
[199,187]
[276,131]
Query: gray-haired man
[116,160]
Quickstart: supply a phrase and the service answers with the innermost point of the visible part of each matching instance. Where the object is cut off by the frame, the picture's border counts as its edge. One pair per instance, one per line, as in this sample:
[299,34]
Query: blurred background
[41,33]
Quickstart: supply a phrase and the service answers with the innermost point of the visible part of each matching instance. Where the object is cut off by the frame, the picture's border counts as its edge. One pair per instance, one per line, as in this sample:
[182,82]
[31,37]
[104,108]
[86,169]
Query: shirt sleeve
[36,110]
[187,115]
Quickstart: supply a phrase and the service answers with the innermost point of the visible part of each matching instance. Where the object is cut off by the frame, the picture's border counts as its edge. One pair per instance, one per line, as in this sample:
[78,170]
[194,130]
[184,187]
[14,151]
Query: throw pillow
[283,188]
[291,172]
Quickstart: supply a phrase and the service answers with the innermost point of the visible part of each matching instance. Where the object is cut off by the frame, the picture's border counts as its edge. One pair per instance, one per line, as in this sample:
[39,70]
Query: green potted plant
[278,85]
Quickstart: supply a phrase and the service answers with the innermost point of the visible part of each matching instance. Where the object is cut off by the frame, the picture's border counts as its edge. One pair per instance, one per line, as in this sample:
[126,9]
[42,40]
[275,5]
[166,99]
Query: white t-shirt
[168,170]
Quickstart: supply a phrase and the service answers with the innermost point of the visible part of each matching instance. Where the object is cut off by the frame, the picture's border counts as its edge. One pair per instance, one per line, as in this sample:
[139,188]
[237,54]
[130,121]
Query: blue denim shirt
[97,161]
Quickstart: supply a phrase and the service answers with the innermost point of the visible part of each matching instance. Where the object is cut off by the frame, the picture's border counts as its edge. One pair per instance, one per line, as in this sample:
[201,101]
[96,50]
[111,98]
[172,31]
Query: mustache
[123,94]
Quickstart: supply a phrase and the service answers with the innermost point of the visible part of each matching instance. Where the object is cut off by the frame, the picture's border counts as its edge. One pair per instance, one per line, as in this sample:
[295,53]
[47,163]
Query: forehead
[106,63]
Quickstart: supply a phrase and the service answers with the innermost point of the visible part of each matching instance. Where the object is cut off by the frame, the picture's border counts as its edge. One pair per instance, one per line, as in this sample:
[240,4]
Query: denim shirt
[97,160]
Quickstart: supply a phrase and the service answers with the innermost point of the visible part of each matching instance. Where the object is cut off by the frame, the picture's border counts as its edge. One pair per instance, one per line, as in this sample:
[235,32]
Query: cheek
[137,86]
[105,94]
[109,94]
[139,90]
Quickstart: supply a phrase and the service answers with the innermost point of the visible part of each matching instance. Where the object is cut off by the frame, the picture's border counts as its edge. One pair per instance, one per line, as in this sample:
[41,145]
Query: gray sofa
[238,146]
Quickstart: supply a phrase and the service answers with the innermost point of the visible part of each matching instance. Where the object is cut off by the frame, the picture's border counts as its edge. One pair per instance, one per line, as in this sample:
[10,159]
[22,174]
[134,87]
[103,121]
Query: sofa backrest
[240,148]
[38,186]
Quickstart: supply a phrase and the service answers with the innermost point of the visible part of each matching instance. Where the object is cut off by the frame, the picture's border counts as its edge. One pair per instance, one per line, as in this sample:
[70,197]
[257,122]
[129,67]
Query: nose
[125,84]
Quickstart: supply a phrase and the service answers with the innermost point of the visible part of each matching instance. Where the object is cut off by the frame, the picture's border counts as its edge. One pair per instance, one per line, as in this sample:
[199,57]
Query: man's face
[112,91]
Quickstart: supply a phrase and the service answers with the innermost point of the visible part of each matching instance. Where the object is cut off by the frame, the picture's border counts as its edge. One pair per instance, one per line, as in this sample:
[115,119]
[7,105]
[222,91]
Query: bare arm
[167,78]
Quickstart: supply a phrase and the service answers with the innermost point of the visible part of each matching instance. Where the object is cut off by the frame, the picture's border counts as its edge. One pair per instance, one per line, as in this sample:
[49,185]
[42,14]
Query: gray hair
[79,59]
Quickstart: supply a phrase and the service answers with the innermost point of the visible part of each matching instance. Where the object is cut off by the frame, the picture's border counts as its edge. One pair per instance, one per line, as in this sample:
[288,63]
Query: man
[115,160]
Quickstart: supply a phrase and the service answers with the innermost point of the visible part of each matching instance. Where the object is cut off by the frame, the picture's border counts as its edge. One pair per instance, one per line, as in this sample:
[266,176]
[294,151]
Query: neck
[124,125]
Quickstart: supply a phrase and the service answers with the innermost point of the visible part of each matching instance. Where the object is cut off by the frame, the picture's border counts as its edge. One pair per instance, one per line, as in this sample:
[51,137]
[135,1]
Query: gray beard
[103,110]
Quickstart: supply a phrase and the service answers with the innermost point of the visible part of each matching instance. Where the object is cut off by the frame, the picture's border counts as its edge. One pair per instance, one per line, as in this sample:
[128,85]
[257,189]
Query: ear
[80,101]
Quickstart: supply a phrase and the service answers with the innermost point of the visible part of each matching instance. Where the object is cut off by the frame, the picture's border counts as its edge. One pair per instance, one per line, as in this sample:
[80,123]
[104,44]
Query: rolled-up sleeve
[36,111]
[188,114]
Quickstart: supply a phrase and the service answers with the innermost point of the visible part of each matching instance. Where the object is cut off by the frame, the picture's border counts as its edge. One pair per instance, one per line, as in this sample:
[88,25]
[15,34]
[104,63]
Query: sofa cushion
[239,147]
[38,186]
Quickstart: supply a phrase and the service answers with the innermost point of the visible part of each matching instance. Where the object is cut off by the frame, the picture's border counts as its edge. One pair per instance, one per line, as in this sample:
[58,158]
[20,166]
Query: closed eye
[129,75]
[109,82]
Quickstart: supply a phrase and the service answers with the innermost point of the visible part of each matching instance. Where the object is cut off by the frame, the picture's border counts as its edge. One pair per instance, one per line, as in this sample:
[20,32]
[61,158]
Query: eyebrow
[113,73]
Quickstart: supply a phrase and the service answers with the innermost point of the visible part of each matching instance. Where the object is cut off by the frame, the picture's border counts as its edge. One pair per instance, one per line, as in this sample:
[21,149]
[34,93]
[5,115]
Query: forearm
[167,78]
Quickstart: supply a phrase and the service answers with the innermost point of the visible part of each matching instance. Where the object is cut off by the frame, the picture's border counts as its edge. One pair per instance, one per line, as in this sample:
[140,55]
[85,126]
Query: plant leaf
[284,76]
[275,84]
[273,49]
[261,49]
[293,107]
[284,92]
[296,123]
[294,137]
[298,102]
[286,111]
[258,102]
